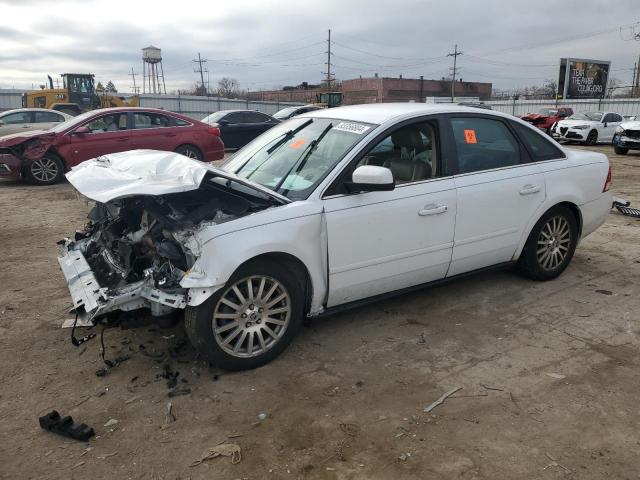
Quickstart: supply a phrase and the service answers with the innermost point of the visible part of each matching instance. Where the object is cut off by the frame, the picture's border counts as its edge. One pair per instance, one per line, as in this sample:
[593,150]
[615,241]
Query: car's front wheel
[592,138]
[46,170]
[621,151]
[551,244]
[251,320]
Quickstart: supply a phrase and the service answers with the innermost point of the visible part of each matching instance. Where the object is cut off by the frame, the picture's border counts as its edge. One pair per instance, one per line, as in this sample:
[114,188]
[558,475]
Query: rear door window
[235,117]
[483,144]
[151,120]
[48,117]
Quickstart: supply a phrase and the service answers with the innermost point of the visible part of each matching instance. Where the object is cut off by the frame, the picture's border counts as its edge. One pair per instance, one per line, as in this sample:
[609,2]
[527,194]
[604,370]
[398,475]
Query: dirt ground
[549,374]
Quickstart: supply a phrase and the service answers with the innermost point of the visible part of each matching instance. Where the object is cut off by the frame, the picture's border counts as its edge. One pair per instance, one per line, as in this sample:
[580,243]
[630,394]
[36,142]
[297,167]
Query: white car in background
[587,127]
[627,136]
[326,211]
[24,119]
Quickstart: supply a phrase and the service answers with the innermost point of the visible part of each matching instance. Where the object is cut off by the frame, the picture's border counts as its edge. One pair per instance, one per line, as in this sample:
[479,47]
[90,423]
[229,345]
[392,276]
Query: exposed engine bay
[134,251]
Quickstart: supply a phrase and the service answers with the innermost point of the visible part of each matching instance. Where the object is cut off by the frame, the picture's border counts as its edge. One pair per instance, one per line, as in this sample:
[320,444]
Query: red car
[546,117]
[42,157]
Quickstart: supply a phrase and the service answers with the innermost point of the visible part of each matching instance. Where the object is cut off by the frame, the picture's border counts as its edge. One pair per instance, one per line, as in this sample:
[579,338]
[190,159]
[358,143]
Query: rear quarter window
[540,147]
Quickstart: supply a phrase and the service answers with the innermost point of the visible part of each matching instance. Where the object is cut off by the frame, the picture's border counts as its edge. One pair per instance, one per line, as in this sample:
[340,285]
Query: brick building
[384,89]
[379,89]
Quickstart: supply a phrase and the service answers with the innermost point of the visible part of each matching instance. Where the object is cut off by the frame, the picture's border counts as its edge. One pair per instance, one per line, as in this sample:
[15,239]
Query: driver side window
[410,152]
[108,123]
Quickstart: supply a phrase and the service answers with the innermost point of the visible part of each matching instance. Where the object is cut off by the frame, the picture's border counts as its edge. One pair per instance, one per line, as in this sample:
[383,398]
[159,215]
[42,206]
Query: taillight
[214,131]
[607,182]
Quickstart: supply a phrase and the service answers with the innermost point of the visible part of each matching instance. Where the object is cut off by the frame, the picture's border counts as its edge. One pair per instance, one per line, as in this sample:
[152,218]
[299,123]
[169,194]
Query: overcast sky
[266,43]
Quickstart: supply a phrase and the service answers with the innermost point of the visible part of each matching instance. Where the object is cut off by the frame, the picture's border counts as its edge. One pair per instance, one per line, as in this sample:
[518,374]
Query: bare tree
[228,87]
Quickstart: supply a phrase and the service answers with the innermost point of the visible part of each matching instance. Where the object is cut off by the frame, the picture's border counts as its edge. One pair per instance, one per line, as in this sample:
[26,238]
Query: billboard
[581,78]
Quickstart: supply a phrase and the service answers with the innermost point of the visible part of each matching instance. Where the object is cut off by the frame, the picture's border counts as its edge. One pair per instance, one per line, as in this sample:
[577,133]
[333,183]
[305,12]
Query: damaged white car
[325,211]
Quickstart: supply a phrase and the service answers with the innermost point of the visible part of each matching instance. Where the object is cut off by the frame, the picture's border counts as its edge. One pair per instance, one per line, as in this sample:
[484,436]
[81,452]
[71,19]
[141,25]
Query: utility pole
[328,62]
[454,71]
[200,61]
[133,75]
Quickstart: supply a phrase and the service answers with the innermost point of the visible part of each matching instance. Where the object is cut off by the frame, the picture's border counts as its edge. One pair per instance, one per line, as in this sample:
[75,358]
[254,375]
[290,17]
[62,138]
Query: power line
[328,62]
[455,55]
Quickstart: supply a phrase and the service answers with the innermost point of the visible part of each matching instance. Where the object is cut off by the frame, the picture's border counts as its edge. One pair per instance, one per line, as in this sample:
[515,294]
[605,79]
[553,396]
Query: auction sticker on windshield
[352,127]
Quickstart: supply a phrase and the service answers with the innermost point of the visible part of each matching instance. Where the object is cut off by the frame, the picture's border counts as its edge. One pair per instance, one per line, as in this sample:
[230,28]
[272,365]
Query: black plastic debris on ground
[65,426]
[628,211]
[169,375]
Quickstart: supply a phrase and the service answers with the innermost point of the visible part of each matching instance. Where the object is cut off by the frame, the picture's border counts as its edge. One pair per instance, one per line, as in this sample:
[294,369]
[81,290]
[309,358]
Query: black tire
[47,170]
[592,138]
[620,151]
[533,262]
[190,151]
[199,321]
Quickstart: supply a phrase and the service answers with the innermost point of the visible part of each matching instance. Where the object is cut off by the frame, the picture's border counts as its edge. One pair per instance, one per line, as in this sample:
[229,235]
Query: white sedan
[587,127]
[323,212]
[24,119]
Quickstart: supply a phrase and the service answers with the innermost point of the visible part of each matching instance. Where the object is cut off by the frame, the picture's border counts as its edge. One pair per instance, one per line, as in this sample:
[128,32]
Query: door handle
[25,126]
[528,189]
[432,209]
[171,134]
[122,139]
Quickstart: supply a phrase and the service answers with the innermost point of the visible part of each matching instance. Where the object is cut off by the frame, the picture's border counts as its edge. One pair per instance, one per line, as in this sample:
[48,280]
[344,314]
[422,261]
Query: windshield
[590,116]
[295,156]
[61,127]
[548,111]
[215,117]
[285,112]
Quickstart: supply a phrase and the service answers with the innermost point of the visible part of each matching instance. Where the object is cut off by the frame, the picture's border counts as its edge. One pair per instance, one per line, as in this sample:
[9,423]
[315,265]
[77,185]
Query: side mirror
[81,130]
[371,178]
[605,124]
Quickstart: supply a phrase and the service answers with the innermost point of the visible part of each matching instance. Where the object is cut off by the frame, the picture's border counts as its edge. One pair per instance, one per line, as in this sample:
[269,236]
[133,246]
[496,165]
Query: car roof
[380,113]
[18,110]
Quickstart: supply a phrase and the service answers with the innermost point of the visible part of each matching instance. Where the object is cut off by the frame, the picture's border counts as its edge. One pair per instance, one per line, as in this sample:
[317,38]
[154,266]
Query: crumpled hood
[16,138]
[147,172]
[632,125]
[534,116]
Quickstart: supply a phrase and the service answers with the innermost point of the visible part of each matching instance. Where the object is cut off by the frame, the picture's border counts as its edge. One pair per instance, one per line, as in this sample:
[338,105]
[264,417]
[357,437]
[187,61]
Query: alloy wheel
[553,243]
[44,170]
[251,316]
[190,153]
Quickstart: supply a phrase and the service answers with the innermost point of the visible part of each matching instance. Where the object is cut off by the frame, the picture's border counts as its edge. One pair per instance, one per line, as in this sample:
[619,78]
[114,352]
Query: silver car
[21,119]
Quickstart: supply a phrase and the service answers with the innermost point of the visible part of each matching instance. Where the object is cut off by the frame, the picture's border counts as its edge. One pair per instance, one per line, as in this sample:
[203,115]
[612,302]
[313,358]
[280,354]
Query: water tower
[152,77]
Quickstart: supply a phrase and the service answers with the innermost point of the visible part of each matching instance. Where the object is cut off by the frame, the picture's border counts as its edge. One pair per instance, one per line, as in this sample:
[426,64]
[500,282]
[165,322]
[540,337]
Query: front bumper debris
[625,141]
[90,300]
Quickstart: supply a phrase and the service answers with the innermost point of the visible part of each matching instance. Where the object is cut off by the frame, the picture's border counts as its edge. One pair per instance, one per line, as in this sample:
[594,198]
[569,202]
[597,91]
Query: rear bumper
[626,142]
[595,213]
[91,301]
[214,150]
[10,166]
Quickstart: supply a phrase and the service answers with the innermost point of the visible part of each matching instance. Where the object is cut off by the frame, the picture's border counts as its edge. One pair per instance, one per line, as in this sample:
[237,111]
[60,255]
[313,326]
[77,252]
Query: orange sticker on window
[298,143]
[470,136]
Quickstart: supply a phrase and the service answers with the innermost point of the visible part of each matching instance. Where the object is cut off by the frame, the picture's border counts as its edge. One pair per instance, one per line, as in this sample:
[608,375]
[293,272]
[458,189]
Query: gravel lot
[549,373]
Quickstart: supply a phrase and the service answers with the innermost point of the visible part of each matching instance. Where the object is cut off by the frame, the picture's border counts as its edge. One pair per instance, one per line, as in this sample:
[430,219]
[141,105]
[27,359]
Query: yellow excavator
[77,95]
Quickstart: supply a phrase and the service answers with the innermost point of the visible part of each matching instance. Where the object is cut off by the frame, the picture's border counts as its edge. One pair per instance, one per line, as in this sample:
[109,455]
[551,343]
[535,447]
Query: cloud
[267,43]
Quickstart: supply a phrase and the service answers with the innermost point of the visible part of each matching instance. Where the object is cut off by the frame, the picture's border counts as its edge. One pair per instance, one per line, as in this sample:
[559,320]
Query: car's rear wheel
[190,151]
[46,170]
[592,138]
[621,151]
[251,320]
[551,244]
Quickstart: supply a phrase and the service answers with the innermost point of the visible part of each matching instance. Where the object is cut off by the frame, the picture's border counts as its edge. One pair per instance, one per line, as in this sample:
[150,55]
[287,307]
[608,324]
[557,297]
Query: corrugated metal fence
[200,107]
[192,106]
[623,106]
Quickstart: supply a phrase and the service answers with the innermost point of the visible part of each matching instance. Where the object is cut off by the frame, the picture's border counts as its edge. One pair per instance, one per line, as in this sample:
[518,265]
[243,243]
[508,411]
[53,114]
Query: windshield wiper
[287,136]
[302,160]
